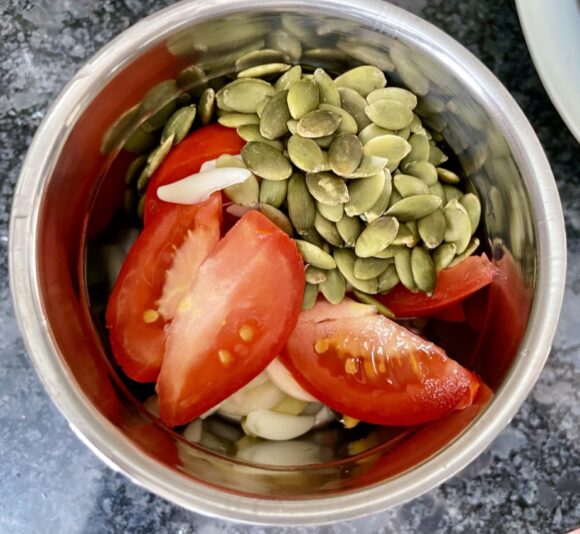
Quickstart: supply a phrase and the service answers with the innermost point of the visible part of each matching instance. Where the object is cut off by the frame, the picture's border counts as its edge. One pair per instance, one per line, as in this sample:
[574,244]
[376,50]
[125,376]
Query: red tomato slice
[454,313]
[186,158]
[453,285]
[370,368]
[162,262]
[237,317]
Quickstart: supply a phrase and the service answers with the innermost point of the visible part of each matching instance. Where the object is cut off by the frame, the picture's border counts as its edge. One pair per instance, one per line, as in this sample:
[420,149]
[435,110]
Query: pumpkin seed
[301,208]
[251,132]
[348,124]
[447,177]
[160,101]
[437,189]
[389,114]
[436,155]
[310,296]
[389,279]
[412,226]
[154,160]
[345,153]
[419,149]
[315,256]
[277,217]
[391,250]
[473,208]
[119,129]
[405,133]
[369,166]
[334,287]
[288,78]
[404,236]
[423,270]
[371,131]
[207,105]
[349,228]
[364,193]
[179,124]
[380,206]
[416,126]
[408,186]
[423,170]
[275,117]
[265,161]
[457,225]
[443,255]
[415,207]
[235,120]
[399,94]
[376,236]
[390,147]
[452,192]
[227,160]
[305,154]
[332,213]
[432,228]
[141,207]
[312,236]
[246,193]
[327,188]
[314,275]
[192,79]
[303,97]
[135,169]
[273,192]
[318,123]
[255,58]
[324,142]
[140,141]
[263,71]
[284,41]
[395,197]
[243,95]
[367,268]
[471,248]
[367,54]
[363,79]
[327,230]
[379,306]
[354,104]
[292,126]
[404,269]
[328,91]
[345,260]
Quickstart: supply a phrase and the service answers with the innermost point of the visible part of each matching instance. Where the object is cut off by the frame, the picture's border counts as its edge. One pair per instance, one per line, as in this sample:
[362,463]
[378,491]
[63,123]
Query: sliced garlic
[242,402]
[324,416]
[284,380]
[276,426]
[192,432]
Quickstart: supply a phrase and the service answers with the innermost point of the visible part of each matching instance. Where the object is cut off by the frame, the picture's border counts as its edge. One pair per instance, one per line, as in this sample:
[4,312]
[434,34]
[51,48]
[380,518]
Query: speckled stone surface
[527,481]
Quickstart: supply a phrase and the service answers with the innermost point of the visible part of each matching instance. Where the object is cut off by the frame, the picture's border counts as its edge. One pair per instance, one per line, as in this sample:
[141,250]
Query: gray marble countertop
[527,481]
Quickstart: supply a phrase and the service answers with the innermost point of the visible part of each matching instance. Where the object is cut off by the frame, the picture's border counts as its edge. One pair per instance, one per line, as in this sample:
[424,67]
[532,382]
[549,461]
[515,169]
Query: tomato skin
[139,346]
[374,370]
[453,285]
[186,158]
[253,282]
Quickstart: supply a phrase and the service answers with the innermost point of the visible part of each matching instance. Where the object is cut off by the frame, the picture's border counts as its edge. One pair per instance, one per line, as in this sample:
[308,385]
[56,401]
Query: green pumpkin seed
[348,124]
[192,79]
[423,170]
[141,207]
[472,206]
[345,260]
[391,250]
[243,95]
[367,268]
[452,192]
[367,54]
[389,114]
[332,213]
[135,168]
[363,79]
[288,78]
[256,58]
[436,155]
[314,275]
[379,306]
[390,147]
[437,189]
[318,123]
[412,226]
[301,207]
[457,225]
[380,206]
[284,41]
[324,142]
[275,117]
[432,228]
[404,236]
[235,120]
[447,177]
[423,270]
[207,105]
[154,160]
[364,193]
[328,91]
[277,217]
[265,161]
[161,101]
[140,141]
[327,188]
[369,166]
[305,154]
[415,207]
[292,126]
[312,236]
[315,256]
[408,186]
[227,160]
[310,296]
[354,104]
[334,287]
[179,124]
[251,132]
[419,149]
[405,133]
[262,105]
[264,71]
[303,97]
[416,126]
[389,279]
[119,129]
[403,96]
[471,248]
[376,236]
[395,197]
[345,153]
[404,269]
[327,230]
[349,228]
[443,255]
[273,192]
[371,131]
[246,193]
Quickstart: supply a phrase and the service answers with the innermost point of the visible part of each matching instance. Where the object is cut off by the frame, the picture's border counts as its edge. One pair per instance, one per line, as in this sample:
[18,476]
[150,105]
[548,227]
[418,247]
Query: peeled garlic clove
[276,426]
[152,405]
[192,432]
[284,380]
[262,397]
[324,416]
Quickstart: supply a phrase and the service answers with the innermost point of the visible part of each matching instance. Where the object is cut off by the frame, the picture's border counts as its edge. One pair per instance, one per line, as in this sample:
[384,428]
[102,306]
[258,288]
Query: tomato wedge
[453,285]
[186,158]
[243,304]
[159,267]
[370,368]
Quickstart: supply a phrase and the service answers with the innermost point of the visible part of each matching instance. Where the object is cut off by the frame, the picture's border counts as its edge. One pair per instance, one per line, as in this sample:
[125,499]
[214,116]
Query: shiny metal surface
[59,186]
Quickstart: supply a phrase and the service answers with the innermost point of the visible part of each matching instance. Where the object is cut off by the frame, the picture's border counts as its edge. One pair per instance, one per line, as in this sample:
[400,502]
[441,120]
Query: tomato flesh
[242,306]
[136,328]
[372,369]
